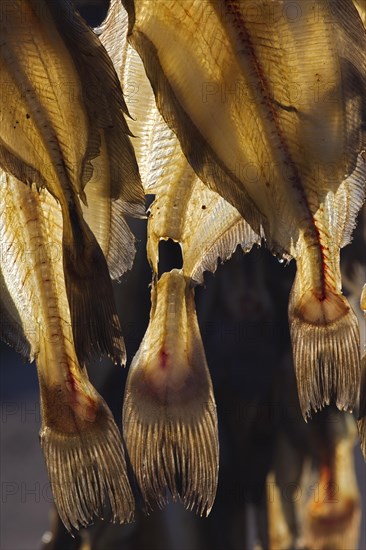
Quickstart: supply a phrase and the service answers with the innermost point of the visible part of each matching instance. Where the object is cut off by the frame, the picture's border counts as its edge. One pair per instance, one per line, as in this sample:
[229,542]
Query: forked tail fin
[326,349]
[169,415]
[82,449]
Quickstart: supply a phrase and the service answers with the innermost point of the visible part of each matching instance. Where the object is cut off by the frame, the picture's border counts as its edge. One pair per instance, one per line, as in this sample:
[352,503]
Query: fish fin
[92,152]
[333,516]
[11,330]
[344,519]
[105,106]
[363,298]
[169,413]
[11,327]
[349,199]
[326,349]
[107,219]
[361,423]
[24,172]
[95,324]
[84,456]
[218,239]
[122,242]
[114,236]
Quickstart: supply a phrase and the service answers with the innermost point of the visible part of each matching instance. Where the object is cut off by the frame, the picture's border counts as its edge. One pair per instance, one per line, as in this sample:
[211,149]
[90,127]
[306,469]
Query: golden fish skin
[224,82]
[52,65]
[79,438]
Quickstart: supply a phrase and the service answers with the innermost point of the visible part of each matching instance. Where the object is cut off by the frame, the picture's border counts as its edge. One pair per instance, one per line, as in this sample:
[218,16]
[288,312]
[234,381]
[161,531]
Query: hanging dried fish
[333,511]
[170,423]
[313,496]
[79,438]
[269,109]
[62,106]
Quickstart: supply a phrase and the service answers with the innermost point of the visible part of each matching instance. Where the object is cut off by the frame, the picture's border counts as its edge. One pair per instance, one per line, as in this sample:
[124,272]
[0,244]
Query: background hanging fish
[58,78]
[79,438]
[360,5]
[333,515]
[269,112]
[170,422]
[362,413]
[312,494]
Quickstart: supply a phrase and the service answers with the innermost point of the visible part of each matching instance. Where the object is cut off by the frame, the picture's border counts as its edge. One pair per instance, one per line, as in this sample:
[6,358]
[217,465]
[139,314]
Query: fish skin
[307,148]
[49,63]
[207,228]
[79,438]
[361,8]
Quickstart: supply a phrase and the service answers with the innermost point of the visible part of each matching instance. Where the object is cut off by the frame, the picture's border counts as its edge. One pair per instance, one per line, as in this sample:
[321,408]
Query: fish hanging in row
[269,108]
[80,441]
[169,415]
[61,107]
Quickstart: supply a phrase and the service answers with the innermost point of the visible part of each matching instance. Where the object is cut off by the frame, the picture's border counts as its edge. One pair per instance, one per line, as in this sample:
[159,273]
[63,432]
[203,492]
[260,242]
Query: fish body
[333,511]
[79,438]
[169,406]
[55,119]
[270,116]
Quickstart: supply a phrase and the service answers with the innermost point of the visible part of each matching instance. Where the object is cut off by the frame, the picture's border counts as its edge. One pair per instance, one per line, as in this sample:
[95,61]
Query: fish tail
[361,423]
[95,324]
[82,448]
[326,348]
[169,414]
[333,513]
